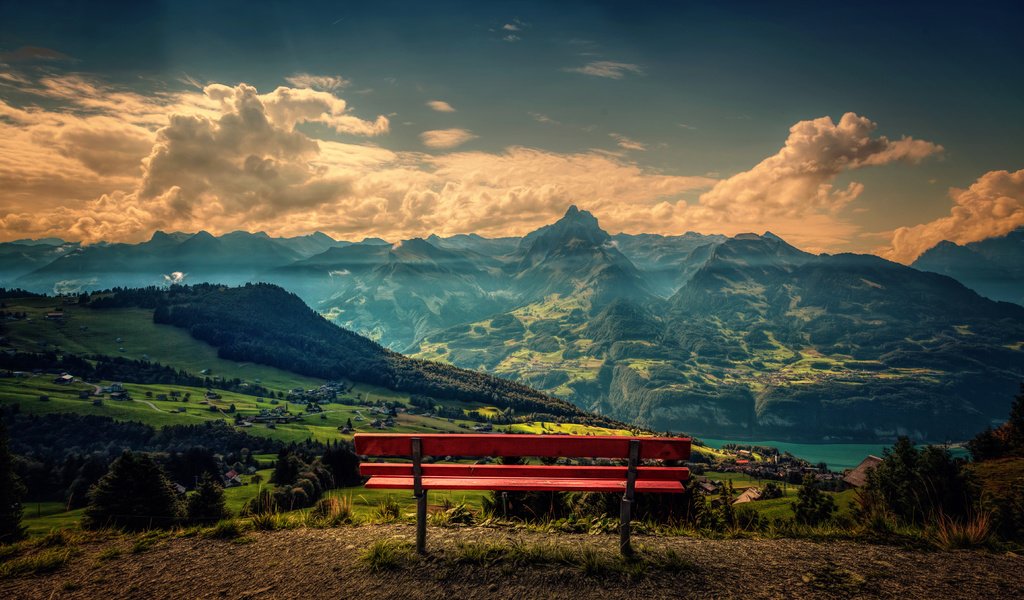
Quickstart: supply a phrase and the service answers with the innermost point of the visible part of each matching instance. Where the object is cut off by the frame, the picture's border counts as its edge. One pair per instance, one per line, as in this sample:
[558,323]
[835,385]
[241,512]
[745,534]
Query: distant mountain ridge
[993,267]
[745,336]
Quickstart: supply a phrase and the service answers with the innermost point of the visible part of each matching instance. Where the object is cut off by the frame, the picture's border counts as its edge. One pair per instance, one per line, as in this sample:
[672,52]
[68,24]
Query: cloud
[33,54]
[607,69]
[441,106]
[511,38]
[289,106]
[992,206]
[542,118]
[326,83]
[96,162]
[510,27]
[799,178]
[241,162]
[626,143]
[446,138]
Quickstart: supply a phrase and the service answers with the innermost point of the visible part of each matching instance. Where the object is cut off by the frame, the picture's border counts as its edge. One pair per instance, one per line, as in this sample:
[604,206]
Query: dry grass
[973,532]
[45,561]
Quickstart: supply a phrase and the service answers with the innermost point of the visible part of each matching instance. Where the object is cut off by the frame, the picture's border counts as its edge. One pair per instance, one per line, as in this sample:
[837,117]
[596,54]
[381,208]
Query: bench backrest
[569,446]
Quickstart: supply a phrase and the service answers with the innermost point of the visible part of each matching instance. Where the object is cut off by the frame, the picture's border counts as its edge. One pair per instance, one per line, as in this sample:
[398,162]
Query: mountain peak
[573,213]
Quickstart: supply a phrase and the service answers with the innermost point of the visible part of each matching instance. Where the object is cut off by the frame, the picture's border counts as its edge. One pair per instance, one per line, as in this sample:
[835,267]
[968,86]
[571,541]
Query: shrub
[265,502]
[333,511]
[384,555]
[771,491]
[387,510]
[452,514]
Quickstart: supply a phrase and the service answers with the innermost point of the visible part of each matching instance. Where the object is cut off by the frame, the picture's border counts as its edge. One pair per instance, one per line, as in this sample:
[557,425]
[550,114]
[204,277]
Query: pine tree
[206,504]
[812,505]
[135,494]
[11,493]
[1015,424]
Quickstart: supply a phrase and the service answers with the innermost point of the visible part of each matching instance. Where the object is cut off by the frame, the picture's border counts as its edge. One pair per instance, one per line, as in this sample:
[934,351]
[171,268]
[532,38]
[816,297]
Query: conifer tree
[11,493]
[135,494]
[206,504]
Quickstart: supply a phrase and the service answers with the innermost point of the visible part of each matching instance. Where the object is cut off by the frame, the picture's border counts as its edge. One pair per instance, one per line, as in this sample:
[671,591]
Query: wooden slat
[539,471]
[572,446]
[524,484]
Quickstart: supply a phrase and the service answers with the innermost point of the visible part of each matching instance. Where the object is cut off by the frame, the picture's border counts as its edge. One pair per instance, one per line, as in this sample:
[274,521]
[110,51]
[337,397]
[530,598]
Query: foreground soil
[326,563]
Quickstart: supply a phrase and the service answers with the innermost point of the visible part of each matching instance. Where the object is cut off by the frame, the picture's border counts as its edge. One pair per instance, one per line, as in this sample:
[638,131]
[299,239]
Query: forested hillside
[265,324]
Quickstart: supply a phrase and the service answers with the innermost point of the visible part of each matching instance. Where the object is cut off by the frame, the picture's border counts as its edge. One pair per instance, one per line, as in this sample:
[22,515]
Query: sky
[841,127]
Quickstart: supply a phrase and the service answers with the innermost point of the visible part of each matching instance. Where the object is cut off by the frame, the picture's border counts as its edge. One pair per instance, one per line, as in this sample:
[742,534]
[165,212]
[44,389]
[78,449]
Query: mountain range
[743,336]
[993,267]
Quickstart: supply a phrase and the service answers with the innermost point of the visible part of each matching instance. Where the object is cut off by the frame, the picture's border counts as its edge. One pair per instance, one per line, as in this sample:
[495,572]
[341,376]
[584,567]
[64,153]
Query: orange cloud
[112,164]
[446,138]
[992,206]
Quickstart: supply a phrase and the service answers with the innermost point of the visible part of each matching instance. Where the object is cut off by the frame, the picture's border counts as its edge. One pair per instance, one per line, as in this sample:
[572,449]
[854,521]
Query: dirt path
[147,403]
[325,563]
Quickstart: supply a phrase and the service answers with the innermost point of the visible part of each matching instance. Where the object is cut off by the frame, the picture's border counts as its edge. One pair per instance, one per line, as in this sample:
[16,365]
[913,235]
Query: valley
[742,337]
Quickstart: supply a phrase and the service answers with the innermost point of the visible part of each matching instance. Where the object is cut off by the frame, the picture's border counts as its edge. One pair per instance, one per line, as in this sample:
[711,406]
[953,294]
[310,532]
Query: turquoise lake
[836,456]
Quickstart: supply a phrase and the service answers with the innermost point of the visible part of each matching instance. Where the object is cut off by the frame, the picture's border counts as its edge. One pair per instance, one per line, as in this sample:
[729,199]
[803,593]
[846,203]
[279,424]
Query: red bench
[420,477]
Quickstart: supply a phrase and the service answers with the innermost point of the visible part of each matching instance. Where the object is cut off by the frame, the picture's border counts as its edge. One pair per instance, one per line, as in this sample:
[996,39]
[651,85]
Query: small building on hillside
[749,495]
[858,476]
[707,487]
[64,379]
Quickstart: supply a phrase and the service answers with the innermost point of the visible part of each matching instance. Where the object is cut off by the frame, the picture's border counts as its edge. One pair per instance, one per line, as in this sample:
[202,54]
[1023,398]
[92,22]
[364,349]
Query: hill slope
[263,323]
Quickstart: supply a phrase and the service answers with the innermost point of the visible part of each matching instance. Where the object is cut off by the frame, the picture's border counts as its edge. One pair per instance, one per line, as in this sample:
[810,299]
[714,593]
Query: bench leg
[626,512]
[625,516]
[421,523]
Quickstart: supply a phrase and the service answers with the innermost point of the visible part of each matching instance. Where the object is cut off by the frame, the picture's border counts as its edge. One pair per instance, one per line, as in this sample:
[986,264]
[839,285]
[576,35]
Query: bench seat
[523,484]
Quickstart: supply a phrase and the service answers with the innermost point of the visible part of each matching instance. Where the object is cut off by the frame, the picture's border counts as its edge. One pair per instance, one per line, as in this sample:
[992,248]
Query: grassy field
[131,332]
[323,427]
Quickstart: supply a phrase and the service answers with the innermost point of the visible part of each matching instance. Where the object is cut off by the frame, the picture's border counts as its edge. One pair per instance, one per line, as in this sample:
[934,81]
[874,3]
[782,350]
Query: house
[749,495]
[55,315]
[233,482]
[180,489]
[212,395]
[64,379]
[112,388]
[707,487]
[858,476]
[84,395]
[231,474]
